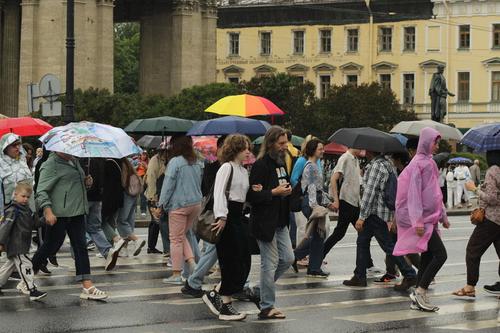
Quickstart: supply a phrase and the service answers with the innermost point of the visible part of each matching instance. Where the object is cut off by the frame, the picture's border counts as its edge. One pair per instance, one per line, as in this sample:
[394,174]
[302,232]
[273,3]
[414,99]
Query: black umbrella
[160,126]
[367,138]
[150,141]
[441,157]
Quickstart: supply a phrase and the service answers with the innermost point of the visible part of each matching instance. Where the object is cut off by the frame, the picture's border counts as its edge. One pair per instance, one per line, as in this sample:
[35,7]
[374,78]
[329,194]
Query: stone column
[9,81]
[209,38]
[104,44]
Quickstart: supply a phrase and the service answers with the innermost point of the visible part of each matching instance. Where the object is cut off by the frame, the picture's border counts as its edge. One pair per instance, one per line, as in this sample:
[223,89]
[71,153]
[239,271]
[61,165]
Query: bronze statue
[438,93]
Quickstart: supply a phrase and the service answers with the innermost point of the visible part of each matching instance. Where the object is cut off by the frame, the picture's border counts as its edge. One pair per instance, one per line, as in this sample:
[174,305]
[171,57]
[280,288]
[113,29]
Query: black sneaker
[53,261]
[155,251]
[15,276]
[35,295]
[91,246]
[493,289]
[213,301]
[249,295]
[318,274]
[295,267]
[45,270]
[386,279]
[406,284]
[227,312]
[189,291]
[355,282]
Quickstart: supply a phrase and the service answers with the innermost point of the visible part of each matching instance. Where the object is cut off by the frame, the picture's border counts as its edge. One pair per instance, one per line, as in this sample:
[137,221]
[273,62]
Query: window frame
[464,36]
[403,87]
[493,84]
[294,39]
[414,41]
[261,34]
[349,38]
[231,45]
[385,39]
[322,90]
[495,28]
[460,84]
[322,39]
[381,82]
[347,79]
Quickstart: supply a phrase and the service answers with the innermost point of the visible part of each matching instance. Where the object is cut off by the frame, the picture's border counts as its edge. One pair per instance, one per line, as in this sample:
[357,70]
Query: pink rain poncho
[419,201]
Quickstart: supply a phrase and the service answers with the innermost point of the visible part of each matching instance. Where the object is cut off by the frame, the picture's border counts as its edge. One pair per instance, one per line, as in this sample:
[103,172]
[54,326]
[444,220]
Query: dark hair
[220,141]
[273,134]
[311,147]
[183,146]
[288,134]
[493,157]
[233,145]
[412,143]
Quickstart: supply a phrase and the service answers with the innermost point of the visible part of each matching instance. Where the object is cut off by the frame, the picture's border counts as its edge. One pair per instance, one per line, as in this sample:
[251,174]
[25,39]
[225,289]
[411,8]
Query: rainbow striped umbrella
[244,106]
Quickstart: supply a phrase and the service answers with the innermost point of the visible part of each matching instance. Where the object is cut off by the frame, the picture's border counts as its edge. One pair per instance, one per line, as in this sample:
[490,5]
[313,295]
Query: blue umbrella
[403,139]
[459,160]
[483,138]
[229,125]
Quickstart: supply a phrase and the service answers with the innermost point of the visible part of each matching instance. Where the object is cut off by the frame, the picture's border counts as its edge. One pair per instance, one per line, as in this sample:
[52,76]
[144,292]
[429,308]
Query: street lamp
[69,108]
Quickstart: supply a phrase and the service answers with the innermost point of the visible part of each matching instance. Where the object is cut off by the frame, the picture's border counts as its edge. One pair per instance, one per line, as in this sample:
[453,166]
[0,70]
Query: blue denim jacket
[182,184]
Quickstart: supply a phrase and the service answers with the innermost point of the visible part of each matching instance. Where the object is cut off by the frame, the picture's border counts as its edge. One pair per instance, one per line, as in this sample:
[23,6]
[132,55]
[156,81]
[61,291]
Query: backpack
[297,195]
[390,190]
[134,185]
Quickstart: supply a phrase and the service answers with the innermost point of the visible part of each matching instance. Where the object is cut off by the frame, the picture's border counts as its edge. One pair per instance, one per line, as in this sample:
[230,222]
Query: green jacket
[61,186]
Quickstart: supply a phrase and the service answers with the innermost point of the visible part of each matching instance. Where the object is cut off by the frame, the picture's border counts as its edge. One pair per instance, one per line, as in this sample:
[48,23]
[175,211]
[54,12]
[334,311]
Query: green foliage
[126,57]
[444,147]
[482,160]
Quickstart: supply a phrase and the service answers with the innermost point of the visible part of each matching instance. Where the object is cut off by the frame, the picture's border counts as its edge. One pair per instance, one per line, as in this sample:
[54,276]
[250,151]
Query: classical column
[9,81]
[104,44]
[209,38]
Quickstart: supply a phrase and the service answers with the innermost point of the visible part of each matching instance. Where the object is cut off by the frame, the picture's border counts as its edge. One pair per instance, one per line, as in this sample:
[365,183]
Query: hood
[8,139]
[427,138]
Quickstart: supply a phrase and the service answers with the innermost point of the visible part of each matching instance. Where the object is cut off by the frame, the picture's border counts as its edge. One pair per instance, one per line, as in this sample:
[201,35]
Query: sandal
[93,293]
[462,293]
[271,313]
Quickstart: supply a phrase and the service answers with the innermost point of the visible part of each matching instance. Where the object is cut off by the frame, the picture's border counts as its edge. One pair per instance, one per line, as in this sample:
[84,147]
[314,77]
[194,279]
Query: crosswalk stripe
[472,325]
[206,328]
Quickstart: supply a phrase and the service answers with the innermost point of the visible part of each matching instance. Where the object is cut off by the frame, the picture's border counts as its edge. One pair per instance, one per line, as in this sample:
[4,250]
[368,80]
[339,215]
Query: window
[299,78]
[352,40]
[464,37]
[234,44]
[495,86]
[409,39]
[385,80]
[352,80]
[408,88]
[298,42]
[385,39]
[234,80]
[324,85]
[463,86]
[326,41]
[496,35]
[265,43]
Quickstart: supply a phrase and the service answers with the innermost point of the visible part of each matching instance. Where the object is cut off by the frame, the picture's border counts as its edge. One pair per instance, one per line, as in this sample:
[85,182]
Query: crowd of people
[277,208]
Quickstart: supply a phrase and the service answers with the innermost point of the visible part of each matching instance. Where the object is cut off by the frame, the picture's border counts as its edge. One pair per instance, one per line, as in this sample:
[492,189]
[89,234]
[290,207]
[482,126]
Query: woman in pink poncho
[419,208]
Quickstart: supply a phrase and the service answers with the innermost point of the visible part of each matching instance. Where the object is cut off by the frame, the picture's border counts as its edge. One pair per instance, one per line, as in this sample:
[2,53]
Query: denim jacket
[182,184]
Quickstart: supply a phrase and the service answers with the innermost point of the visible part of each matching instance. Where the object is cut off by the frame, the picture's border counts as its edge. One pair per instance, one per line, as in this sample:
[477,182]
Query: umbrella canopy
[159,126]
[440,158]
[86,139]
[24,126]
[150,141]
[367,138]
[459,160]
[207,146]
[403,139]
[296,140]
[244,106]
[229,125]
[335,149]
[483,138]
[414,128]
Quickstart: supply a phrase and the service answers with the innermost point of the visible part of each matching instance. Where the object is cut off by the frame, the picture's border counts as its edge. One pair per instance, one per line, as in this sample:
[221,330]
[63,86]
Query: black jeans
[390,265]
[348,214]
[376,227]
[153,232]
[75,228]
[233,251]
[482,237]
[431,261]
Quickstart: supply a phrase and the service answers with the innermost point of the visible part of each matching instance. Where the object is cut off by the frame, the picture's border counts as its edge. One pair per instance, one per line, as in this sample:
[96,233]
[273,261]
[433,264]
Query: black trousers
[482,237]
[233,252]
[390,265]
[431,261]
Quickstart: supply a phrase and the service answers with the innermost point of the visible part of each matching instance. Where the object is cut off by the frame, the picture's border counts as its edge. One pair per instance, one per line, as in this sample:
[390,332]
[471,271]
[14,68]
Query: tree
[126,57]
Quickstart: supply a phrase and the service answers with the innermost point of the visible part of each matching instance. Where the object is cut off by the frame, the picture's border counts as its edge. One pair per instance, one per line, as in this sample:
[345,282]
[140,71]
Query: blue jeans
[126,217]
[374,226]
[313,247]
[207,260]
[191,237]
[276,257]
[94,228]
[165,240]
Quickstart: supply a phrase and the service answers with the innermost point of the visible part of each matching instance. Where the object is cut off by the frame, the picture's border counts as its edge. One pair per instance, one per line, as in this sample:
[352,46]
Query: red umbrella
[24,126]
[335,149]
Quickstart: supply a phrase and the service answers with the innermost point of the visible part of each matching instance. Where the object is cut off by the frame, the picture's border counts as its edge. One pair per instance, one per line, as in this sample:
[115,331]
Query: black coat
[268,212]
[112,189]
[15,229]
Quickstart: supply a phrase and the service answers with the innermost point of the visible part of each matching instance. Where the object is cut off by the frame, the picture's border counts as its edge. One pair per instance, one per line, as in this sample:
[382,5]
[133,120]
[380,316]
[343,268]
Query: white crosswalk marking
[473,325]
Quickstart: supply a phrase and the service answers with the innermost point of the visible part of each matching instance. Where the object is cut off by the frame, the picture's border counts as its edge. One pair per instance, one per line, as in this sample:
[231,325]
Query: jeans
[126,217]
[431,261]
[193,242]
[276,257]
[293,230]
[164,231]
[390,266]
[312,246]
[207,261]
[143,202]
[75,228]
[109,226]
[180,221]
[376,227]
[94,228]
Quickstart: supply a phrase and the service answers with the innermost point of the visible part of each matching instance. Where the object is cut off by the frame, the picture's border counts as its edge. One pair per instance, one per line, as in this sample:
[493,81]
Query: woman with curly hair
[230,191]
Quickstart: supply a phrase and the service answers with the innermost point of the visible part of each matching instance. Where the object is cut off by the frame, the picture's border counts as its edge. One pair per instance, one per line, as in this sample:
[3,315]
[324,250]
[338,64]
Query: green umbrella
[160,126]
[296,140]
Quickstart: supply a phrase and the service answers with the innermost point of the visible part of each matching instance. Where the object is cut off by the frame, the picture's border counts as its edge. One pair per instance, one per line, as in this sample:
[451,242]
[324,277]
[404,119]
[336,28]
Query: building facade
[397,43]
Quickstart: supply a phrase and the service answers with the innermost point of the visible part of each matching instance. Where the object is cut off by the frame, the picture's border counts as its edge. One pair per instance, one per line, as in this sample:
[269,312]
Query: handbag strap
[229,182]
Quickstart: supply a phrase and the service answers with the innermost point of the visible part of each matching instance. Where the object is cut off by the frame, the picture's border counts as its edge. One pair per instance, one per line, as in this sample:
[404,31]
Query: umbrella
[207,146]
[24,126]
[86,139]
[159,126]
[335,149]
[150,141]
[440,158]
[459,160]
[244,106]
[483,138]
[403,139]
[414,128]
[367,138]
[229,125]
[296,140]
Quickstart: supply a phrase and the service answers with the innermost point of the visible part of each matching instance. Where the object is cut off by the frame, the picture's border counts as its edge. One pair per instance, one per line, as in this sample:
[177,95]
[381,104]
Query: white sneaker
[138,245]
[99,255]
[374,272]
[23,288]
[177,280]
[93,293]
[124,251]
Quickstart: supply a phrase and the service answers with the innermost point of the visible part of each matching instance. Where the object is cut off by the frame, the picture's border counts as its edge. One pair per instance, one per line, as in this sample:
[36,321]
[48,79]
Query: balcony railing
[463,107]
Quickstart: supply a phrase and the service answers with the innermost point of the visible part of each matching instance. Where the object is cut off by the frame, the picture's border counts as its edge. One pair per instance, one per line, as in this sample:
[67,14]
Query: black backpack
[297,195]
[390,190]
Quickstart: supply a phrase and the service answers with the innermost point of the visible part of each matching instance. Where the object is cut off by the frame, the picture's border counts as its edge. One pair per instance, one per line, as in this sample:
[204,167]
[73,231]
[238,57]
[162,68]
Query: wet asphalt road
[139,302]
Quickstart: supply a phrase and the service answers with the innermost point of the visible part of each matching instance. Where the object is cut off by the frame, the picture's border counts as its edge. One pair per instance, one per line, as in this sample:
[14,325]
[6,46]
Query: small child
[15,239]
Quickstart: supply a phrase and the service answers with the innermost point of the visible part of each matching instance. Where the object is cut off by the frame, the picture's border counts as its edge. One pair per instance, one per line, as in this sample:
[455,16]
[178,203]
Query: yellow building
[398,43]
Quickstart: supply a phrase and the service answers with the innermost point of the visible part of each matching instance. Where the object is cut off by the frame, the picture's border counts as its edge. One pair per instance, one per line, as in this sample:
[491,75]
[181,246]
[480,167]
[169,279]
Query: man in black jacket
[269,219]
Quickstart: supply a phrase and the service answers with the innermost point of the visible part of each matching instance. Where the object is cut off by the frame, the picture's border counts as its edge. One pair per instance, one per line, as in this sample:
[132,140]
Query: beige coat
[156,168]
